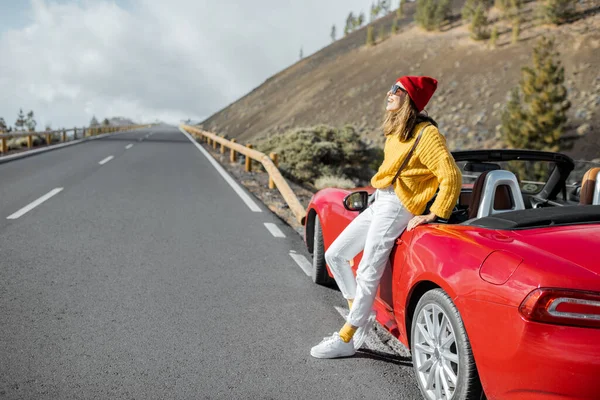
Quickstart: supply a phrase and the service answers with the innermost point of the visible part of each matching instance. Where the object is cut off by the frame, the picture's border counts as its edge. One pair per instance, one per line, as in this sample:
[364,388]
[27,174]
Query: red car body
[489,274]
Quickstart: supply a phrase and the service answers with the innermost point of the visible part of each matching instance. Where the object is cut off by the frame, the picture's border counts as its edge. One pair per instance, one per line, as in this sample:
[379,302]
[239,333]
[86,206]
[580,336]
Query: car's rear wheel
[442,358]
[319,270]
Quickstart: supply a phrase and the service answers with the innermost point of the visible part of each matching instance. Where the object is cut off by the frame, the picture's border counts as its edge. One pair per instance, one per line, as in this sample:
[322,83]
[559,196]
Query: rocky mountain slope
[346,82]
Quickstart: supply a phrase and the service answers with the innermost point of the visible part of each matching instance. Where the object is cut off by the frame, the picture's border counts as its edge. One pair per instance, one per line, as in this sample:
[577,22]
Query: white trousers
[374,231]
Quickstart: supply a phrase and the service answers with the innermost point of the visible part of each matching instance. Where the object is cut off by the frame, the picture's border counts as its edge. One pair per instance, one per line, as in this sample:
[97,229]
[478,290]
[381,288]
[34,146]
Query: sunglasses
[396,87]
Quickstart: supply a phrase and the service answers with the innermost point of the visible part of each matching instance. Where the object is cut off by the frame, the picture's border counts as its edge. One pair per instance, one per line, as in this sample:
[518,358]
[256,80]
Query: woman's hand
[420,220]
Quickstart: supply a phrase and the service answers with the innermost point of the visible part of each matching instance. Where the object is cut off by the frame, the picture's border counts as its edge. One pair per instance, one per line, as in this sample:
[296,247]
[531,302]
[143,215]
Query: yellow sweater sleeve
[436,156]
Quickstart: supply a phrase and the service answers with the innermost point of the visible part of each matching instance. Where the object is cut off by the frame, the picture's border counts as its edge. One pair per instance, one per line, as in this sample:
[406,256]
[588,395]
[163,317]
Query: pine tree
[395,26]
[516,29]
[333,33]
[301,53]
[425,14]
[30,122]
[381,35]
[479,24]
[539,123]
[20,123]
[469,9]
[431,14]
[513,119]
[3,127]
[494,37]
[385,6]
[370,37]
[349,23]
[400,10]
[559,11]
[442,13]
[94,122]
[106,122]
[361,19]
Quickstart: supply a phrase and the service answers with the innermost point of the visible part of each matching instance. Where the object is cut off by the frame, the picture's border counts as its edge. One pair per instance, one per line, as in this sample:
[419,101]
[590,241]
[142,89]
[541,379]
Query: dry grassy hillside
[346,82]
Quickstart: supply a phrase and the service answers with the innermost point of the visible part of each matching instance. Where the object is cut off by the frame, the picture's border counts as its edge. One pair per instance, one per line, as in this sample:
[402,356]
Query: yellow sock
[347,332]
[350,303]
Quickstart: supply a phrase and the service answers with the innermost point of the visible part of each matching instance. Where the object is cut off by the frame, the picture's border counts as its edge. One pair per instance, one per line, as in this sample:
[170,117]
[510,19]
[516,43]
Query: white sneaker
[333,347]
[363,331]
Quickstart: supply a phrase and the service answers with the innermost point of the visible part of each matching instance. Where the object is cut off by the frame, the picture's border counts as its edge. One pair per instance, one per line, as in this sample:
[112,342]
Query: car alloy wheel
[436,353]
[442,358]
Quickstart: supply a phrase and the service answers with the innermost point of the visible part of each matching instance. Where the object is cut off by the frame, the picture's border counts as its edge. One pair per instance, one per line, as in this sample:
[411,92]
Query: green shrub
[559,11]
[334,182]
[307,154]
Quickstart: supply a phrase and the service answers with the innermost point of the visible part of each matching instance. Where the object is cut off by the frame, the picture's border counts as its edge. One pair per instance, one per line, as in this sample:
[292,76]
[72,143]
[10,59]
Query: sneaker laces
[330,338]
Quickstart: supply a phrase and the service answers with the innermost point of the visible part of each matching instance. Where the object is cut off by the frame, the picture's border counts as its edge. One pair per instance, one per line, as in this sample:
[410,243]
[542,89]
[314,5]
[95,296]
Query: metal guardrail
[85,132]
[269,163]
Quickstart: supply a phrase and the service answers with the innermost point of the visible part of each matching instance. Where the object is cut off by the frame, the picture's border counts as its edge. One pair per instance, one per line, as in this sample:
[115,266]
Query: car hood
[579,245]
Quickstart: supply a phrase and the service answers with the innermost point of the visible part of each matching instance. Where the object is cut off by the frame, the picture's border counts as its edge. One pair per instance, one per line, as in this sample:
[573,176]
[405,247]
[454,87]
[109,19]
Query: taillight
[562,307]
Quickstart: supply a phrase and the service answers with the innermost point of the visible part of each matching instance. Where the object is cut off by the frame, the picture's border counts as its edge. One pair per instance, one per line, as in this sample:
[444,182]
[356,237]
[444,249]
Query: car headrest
[590,189]
[494,192]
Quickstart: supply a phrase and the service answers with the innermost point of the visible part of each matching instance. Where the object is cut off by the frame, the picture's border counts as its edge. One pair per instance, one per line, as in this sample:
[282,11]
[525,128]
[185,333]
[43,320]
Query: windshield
[532,175]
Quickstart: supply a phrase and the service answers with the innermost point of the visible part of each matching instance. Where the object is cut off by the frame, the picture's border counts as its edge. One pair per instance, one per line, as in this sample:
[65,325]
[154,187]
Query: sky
[69,60]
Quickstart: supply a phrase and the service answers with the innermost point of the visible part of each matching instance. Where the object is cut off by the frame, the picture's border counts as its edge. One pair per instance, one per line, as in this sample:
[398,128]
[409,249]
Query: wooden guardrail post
[248,160]
[233,154]
[214,144]
[222,148]
[4,146]
[64,135]
[29,141]
[275,160]
[48,139]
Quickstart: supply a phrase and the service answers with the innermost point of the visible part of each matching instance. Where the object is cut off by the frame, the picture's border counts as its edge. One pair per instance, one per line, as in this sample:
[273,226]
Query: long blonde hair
[403,121]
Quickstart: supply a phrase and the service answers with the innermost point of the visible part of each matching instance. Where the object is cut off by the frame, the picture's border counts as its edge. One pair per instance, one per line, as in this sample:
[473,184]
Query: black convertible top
[540,218]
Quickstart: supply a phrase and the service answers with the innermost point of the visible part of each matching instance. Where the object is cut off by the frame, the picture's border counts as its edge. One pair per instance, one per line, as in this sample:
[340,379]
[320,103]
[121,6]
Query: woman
[416,163]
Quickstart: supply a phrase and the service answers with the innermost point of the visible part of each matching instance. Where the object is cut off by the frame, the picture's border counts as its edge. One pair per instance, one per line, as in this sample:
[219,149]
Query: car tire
[451,351]
[319,269]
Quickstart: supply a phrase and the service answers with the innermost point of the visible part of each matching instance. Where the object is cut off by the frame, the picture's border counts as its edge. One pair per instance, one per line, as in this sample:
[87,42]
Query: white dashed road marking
[302,263]
[34,204]
[128,146]
[274,229]
[107,159]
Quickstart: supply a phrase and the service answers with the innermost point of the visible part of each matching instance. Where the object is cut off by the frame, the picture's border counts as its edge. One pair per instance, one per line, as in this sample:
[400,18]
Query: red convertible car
[502,300]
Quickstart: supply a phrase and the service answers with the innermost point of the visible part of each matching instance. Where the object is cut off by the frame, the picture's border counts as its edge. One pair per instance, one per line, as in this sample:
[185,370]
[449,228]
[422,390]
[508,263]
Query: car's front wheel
[442,358]
[319,270]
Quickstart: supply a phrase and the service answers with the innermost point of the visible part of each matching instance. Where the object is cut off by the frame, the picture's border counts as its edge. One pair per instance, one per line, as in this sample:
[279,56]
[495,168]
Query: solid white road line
[240,192]
[34,204]
[128,146]
[302,263]
[107,159]
[274,229]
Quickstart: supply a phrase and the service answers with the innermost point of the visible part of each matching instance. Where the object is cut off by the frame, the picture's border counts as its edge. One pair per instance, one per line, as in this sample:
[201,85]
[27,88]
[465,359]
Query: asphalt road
[148,277]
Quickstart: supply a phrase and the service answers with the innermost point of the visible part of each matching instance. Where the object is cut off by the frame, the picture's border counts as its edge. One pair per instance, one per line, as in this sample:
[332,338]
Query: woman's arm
[434,154]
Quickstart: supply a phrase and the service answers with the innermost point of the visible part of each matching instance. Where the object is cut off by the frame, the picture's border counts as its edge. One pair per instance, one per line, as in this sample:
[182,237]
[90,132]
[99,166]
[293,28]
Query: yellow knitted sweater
[430,167]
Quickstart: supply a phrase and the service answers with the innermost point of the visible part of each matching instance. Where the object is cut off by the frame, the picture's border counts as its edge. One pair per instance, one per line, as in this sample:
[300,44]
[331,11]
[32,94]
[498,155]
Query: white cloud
[154,58]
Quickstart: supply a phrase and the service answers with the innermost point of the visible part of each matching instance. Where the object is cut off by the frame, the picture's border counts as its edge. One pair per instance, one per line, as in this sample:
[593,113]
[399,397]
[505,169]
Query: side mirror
[357,201]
